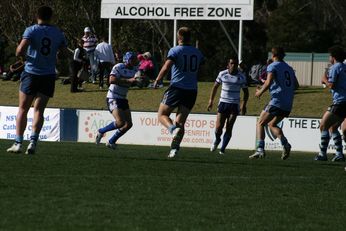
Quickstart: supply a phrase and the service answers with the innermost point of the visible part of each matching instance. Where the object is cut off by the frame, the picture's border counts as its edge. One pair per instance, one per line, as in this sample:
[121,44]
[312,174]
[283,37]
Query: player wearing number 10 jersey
[281,82]
[39,47]
[184,61]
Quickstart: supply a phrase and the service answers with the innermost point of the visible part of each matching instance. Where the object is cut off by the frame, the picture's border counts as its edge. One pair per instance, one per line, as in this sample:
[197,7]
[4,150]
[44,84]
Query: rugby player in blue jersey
[184,61]
[281,82]
[121,78]
[335,79]
[232,81]
[39,47]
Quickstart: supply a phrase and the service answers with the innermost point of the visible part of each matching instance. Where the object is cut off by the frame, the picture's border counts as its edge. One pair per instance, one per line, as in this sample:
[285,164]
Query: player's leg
[25,102]
[178,134]
[111,105]
[343,129]
[169,102]
[329,119]
[37,123]
[263,120]
[277,132]
[163,115]
[220,123]
[228,133]
[123,122]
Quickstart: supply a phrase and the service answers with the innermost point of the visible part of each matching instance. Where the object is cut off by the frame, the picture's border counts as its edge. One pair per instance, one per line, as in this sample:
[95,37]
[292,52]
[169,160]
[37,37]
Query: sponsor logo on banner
[147,130]
[50,130]
[92,122]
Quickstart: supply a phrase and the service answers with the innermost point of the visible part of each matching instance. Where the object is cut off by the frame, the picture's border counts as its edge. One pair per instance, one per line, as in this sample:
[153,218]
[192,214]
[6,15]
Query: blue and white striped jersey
[120,71]
[231,86]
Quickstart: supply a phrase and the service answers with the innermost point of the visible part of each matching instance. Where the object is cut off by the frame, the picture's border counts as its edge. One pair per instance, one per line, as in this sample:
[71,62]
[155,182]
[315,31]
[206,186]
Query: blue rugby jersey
[187,60]
[283,86]
[337,75]
[45,41]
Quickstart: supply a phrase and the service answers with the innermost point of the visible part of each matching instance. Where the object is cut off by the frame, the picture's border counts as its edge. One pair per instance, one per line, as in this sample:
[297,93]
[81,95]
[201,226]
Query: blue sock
[109,127]
[225,140]
[34,136]
[337,142]
[324,141]
[19,139]
[260,144]
[171,128]
[116,136]
[217,138]
[283,140]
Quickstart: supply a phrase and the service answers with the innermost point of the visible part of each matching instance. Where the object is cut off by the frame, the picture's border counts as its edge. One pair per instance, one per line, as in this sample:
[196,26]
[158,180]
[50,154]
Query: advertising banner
[146,130]
[50,130]
[178,9]
[302,133]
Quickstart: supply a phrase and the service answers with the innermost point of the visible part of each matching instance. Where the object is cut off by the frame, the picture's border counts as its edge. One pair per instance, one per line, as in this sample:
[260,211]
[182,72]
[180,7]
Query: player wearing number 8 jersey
[184,61]
[39,47]
[281,82]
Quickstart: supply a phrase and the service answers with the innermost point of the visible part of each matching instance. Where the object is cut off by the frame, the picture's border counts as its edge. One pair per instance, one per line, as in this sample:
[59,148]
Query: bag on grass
[83,75]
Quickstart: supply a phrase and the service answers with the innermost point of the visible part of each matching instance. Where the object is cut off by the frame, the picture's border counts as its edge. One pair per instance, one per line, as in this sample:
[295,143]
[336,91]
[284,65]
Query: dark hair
[184,34]
[278,52]
[337,52]
[44,13]
[235,58]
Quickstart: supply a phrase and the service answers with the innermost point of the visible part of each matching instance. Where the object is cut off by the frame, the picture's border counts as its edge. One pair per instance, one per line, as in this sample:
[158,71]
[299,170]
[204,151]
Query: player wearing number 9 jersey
[39,47]
[184,61]
[281,82]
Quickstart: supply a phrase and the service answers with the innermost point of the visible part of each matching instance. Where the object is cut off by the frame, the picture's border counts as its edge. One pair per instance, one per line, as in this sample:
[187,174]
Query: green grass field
[81,186]
[309,101]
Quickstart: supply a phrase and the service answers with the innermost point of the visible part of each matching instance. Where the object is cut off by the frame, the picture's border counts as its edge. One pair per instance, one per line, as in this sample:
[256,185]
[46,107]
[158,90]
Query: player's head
[87,31]
[233,64]
[184,35]
[337,54]
[130,58]
[44,13]
[278,53]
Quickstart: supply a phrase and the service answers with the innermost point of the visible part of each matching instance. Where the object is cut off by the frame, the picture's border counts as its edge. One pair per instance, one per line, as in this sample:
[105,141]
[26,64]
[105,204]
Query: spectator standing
[89,46]
[105,55]
[79,62]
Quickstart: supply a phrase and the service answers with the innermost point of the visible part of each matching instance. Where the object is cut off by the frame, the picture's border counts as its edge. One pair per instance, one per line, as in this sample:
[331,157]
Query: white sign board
[50,130]
[146,130]
[178,9]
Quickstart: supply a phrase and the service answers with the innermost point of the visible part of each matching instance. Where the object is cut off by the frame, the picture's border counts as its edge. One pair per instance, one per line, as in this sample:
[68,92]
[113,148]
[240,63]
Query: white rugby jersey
[120,71]
[231,86]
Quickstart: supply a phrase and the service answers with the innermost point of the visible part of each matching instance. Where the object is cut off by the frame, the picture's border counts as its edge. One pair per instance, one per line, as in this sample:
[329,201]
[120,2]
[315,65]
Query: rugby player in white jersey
[232,81]
[120,79]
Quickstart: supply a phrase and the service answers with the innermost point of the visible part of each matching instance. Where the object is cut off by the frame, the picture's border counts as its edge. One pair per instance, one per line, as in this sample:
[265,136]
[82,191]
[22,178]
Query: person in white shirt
[105,55]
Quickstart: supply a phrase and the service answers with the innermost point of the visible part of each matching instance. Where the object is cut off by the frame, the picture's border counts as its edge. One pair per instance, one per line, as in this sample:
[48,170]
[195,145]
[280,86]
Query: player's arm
[244,102]
[22,47]
[121,81]
[164,70]
[265,86]
[212,96]
[326,81]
